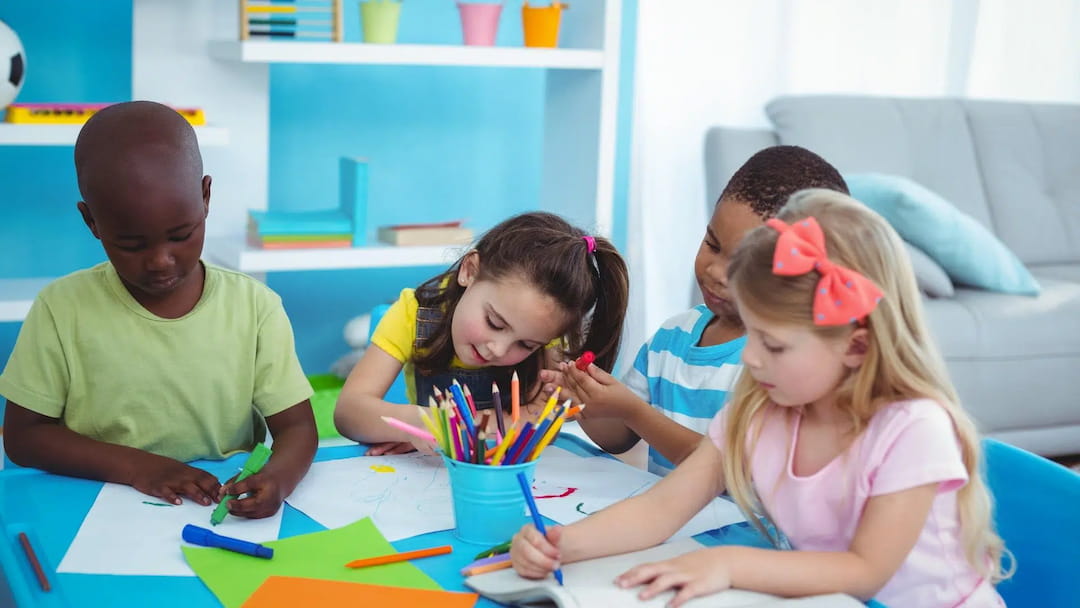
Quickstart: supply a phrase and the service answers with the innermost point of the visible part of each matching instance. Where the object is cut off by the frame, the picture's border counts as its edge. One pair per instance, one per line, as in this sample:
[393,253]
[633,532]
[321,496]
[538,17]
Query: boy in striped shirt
[681,376]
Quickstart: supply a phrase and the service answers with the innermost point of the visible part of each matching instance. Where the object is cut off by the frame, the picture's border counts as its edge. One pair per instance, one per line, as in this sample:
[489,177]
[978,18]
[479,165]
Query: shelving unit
[234,254]
[65,135]
[208,67]
[406,54]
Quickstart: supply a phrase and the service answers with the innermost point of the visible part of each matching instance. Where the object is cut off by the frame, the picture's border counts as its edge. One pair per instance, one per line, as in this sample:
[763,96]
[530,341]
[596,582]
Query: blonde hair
[901,363]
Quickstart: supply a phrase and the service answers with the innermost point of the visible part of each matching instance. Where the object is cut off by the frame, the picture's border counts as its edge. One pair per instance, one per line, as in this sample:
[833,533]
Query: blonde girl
[844,432]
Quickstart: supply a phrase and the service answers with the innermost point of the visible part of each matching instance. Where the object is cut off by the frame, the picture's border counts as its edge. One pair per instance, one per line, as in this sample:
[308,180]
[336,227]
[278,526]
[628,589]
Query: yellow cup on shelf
[541,24]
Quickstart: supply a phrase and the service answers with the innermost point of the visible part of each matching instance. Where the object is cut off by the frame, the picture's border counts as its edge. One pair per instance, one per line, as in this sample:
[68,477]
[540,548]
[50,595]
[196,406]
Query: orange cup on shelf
[541,24]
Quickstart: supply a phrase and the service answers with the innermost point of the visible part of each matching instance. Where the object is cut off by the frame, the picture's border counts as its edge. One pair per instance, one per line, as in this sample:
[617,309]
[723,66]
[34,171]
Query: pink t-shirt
[905,445]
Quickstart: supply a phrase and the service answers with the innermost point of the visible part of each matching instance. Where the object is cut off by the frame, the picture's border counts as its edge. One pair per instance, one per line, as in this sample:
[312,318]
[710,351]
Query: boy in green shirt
[124,371]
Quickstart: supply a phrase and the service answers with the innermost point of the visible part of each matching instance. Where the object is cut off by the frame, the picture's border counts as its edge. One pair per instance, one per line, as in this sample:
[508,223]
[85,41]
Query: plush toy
[357,335]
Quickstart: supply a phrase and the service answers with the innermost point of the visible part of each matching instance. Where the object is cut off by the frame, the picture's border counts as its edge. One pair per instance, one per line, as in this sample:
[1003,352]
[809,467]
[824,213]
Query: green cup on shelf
[379,20]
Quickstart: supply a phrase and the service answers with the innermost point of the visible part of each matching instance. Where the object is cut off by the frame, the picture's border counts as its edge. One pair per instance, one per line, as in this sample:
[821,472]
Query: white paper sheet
[128,532]
[405,494]
[568,488]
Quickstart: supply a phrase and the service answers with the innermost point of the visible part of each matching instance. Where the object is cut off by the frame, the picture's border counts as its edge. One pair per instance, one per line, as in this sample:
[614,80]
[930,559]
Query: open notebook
[588,584]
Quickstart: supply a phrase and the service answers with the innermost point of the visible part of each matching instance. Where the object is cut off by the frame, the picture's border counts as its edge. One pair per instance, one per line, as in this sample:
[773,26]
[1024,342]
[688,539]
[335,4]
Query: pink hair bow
[842,295]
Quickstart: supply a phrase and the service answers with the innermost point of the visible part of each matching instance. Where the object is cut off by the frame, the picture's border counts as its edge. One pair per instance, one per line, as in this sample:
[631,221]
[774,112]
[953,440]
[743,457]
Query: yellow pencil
[552,432]
[550,405]
[500,451]
[431,426]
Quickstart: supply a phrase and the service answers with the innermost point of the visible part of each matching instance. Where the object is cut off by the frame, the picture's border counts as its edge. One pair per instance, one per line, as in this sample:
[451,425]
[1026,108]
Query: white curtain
[702,63]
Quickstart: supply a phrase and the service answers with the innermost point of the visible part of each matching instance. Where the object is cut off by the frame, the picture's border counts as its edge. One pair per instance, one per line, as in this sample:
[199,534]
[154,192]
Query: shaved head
[124,140]
[145,198]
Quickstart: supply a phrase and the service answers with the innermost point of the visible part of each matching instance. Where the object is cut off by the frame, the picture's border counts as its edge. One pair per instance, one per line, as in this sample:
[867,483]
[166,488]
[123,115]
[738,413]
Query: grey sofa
[1014,167]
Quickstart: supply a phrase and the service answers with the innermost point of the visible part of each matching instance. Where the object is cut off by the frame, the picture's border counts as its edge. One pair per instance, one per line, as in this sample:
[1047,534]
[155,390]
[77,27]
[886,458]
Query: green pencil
[254,463]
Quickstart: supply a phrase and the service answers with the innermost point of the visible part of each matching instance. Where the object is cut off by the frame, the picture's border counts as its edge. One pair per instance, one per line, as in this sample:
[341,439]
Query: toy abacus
[291,19]
[76,113]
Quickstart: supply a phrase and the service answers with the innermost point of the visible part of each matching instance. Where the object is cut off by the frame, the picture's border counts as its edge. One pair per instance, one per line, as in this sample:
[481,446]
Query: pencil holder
[489,507]
[541,24]
[379,20]
[479,22]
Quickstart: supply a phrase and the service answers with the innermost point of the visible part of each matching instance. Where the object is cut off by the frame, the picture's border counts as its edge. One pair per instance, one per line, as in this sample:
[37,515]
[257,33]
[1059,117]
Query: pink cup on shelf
[479,22]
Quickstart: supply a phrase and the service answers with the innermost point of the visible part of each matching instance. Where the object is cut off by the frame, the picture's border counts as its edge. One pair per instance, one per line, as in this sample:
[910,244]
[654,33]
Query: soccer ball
[12,65]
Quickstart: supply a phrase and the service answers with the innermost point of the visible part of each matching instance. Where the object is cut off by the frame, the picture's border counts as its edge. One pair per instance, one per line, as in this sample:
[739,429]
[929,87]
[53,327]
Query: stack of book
[299,230]
[444,233]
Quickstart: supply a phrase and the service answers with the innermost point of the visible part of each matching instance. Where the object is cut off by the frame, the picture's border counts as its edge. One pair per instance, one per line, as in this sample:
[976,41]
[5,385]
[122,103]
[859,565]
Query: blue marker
[537,520]
[207,538]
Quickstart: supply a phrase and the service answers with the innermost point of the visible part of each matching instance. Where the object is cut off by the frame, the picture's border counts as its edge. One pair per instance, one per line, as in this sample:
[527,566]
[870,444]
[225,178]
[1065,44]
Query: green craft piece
[233,577]
[252,465]
[327,387]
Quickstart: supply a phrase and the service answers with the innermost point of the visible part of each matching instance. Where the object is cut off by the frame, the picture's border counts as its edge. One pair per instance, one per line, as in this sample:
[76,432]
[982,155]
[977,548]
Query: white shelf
[407,54]
[16,296]
[234,253]
[64,135]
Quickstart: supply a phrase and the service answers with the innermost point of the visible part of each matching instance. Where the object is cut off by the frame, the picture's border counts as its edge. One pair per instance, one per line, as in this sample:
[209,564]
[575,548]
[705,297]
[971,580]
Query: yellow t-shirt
[396,334]
[188,388]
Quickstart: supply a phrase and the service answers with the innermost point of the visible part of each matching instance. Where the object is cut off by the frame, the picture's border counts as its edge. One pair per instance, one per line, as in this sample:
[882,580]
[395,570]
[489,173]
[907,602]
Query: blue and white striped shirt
[686,382]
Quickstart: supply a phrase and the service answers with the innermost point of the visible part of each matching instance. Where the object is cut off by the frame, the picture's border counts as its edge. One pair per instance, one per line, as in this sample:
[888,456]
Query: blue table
[50,509]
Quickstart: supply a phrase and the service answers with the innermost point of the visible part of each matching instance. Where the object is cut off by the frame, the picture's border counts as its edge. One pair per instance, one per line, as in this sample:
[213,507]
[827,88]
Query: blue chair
[1037,512]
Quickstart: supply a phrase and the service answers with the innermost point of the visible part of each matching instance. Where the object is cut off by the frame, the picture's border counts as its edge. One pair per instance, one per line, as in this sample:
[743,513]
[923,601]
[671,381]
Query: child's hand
[389,448]
[170,479]
[550,379]
[534,555]
[603,395]
[695,574]
[264,495]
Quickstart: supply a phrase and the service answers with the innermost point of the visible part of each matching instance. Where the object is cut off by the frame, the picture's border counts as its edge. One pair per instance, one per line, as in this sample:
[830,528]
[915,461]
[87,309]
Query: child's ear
[469,269]
[858,343]
[88,219]
[206,194]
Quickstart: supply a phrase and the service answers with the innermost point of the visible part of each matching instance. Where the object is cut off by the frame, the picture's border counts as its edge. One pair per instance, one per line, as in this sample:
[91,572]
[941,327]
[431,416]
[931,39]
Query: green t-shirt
[188,388]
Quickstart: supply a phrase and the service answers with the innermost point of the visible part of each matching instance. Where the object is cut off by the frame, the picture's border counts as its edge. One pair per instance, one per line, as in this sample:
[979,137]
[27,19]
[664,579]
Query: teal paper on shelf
[354,196]
[330,221]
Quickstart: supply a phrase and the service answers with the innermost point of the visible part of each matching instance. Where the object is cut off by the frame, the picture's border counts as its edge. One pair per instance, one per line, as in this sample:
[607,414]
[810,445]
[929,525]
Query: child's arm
[35,440]
[615,417]
[630,525]
[361,403]
[887,531]
[295,442]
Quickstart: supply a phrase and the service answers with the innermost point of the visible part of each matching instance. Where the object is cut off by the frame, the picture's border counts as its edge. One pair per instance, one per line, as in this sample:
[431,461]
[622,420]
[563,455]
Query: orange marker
[399,557]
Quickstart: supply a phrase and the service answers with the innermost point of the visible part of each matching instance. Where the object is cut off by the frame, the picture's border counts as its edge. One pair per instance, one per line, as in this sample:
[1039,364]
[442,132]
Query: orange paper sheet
[289,592]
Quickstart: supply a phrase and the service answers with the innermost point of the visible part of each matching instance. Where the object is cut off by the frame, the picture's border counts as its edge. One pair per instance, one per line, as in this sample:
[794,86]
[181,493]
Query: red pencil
[399,557]
[24,540]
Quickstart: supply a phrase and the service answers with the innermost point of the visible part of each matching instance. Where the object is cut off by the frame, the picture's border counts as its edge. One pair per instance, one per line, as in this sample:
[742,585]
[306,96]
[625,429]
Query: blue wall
[448,143]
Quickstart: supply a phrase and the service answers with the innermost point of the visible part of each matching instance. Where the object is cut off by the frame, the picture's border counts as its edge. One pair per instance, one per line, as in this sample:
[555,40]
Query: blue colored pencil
[537,520]
[463,408]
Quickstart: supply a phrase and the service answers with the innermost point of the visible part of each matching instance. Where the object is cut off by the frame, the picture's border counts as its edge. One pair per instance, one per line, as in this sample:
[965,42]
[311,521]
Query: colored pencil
[32,557]
[515,398]
[469,400]
[523,439]
[550,405]
[537,520]
[500,450]
[492,567]
[574,411]
[462,407]
[497,399]
[552,433]
[408,428]
[498,549]
[399,557]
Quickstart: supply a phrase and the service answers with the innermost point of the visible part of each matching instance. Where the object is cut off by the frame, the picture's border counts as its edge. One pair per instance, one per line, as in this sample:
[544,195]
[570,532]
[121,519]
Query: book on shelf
[442,233]
[591,583]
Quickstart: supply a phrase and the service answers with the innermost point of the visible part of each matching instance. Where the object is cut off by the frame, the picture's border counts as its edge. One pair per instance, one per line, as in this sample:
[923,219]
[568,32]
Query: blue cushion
[969,253]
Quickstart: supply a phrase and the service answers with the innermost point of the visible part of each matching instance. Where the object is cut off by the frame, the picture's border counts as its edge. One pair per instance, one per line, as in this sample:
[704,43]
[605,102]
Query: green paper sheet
[233,577]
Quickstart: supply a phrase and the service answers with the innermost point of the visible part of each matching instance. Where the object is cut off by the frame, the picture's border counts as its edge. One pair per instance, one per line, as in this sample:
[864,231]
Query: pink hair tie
[590,244]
